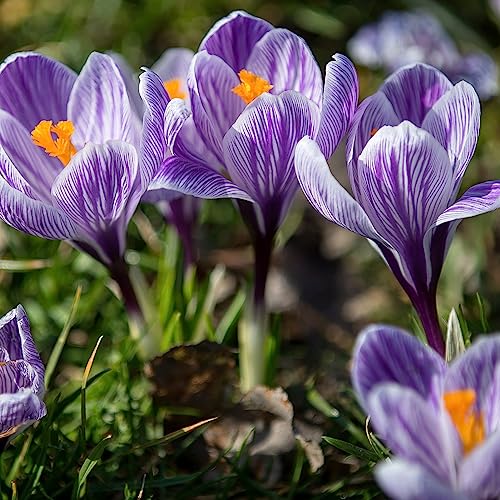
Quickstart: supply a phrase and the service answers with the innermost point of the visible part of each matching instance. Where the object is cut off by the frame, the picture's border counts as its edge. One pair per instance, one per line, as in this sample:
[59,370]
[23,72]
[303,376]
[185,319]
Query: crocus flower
[21,375]
[69,156]
[255,91]
[442,422]
[172,67]
[400,38]
[408,149]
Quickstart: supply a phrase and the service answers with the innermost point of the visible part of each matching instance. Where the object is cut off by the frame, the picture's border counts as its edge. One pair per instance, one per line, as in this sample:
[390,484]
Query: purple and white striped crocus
[172,68]
[408,149]
[255,91]
[442,422]
[22,375]
[69,156]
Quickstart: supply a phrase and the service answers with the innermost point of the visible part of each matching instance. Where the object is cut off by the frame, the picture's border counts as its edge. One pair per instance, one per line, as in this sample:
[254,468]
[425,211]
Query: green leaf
[351,449]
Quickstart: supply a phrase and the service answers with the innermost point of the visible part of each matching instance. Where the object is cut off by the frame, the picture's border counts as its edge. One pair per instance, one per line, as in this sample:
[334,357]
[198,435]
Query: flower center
[469,423]
[373,131]
[174,88]
[59,146]
[251,86]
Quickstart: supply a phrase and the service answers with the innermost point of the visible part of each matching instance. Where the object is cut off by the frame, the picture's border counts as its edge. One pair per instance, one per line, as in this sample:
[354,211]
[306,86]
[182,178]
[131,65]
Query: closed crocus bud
[21,375]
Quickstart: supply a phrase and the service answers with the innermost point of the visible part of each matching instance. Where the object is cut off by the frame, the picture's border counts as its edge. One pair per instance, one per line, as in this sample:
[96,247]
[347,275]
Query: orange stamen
[174,88]
[251,86]
[59,147]
[373,131]
[469,423]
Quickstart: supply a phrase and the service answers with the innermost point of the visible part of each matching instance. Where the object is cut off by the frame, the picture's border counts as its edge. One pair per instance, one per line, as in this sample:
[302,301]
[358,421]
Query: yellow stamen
[61,147]
[251,86]
[174,88]
[469,423]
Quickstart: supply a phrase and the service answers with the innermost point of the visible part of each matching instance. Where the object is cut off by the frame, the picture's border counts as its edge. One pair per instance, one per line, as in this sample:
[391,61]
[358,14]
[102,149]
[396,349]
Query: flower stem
[427,312]
[253,333]
[120,274]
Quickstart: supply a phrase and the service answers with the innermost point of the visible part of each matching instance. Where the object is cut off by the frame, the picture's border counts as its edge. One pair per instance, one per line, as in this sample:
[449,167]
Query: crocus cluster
[399,38]
[441,421]
[22,373]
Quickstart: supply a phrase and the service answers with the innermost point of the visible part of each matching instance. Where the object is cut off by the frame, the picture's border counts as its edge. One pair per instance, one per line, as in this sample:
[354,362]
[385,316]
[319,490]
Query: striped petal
[183,138]
[195,179]
[34,87]
[16,343]
[35,166]
[373,113]
[414,430]
[234,37]
[326,194]
[31,216]
[477,369]
[478,474]
[215,107]
[18,409]
[405,183]
[404,480]
[413,91]
[477,200]
[388,354]
[259,148]
[97,192]
[286,62]
[153,143]
[454,122]
[340,99]
[99,105]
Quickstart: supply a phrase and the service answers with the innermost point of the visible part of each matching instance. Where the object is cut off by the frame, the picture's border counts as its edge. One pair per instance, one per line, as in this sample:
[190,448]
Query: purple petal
[413,91]
[373,113]
[195,179]
[414,430]
[340,99]
[259,148]
[36,167]
[153,144]
[476,369]
[34,87]
[478,473]
[454,122]
[97,191]
[234,37]
[32,216]
[183,138]
[403,480]
[215,107]
[99,105]
[173,64]
[16,342]
[388,354]
[131,81]
[493,415]
[18,409]
[286,62]
[477,200]
[326,194]
[405,183]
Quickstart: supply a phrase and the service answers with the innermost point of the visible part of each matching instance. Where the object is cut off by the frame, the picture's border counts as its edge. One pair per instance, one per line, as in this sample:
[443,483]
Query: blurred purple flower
[21,375]
[401,38]
[77,176]
[407,151]
[255,91]
[172,68]
[442,422]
